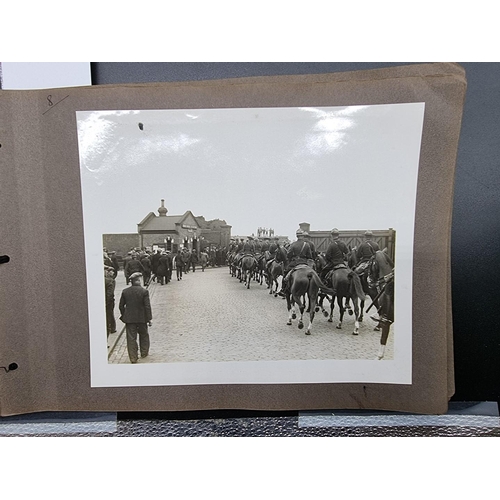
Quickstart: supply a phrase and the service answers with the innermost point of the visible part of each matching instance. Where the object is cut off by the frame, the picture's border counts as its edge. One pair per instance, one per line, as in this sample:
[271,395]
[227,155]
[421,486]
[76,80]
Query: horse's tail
[358,287]
[313,276]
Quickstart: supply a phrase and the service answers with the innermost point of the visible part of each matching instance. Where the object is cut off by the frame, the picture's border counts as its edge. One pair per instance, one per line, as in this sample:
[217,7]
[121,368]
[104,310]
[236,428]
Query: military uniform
[367,249]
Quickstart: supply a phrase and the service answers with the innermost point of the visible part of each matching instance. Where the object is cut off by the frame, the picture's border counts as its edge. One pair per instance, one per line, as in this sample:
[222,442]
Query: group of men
[135,305]
[303,251]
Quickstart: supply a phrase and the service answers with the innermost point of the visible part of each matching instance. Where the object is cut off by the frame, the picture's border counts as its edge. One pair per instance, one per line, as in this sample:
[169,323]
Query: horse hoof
[275,294]
[301,325]
[338,327]
[350,313]
[294,316]
[307,332]
[316,309]
[325,314]
[289,322]
[330,320]
[355,333]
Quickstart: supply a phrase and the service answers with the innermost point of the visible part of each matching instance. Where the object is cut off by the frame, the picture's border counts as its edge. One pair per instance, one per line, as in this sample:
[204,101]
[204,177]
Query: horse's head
[380,265]
[352,259]
[280,254]
[320,261]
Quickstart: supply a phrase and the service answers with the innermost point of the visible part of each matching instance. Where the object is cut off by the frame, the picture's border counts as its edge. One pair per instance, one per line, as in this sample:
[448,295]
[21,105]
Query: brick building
[185,231]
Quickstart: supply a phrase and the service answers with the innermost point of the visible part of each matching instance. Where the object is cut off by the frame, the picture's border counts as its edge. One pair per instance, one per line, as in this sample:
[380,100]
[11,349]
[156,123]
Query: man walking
[109,284]
[135,309]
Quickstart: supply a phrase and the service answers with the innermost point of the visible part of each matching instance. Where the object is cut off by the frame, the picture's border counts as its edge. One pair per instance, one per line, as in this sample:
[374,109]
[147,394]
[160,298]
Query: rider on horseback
[367,249]
[336,254]
[249,246]
[300,252]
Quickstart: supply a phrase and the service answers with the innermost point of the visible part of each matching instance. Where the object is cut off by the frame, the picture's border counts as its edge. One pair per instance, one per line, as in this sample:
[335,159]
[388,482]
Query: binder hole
[4,259]
[13,366]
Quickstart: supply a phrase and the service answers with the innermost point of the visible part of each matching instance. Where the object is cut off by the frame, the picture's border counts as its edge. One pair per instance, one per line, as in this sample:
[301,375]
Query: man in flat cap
[135,309]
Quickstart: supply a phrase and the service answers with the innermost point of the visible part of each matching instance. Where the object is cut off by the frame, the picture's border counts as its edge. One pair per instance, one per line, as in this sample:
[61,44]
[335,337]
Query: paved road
[211,316]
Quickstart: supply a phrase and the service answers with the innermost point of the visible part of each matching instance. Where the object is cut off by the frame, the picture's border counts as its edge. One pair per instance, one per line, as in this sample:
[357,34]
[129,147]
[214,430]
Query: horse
[379,267]
[362,271]
[260,268]
[274,271]
[381,272]
[303,281]
[248,265]
[320,262]
[346,284]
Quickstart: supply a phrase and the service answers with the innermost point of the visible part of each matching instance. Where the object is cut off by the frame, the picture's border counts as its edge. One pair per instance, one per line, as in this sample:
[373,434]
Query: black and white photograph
[250,245]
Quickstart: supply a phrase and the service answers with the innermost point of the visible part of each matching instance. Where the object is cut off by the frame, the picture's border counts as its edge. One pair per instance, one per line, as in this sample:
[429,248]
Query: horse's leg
[312,312]
[291,309]
[383,340]
[348,305]
[341,312]
[356,316]
[302,306]
[332,306]
[361,310]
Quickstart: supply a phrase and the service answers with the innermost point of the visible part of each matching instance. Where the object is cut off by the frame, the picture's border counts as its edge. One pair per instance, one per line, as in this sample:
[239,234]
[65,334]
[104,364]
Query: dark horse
[346,285]
[381,272]
[362,270]
[275,269]
[303,281]
[248,266]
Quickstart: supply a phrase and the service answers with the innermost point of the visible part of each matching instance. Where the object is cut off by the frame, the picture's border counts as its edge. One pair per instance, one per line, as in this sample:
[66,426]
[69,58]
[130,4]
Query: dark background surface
[475,231]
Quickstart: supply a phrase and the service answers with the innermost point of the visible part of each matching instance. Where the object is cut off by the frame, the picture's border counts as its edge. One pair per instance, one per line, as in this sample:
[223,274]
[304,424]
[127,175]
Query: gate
[385,238]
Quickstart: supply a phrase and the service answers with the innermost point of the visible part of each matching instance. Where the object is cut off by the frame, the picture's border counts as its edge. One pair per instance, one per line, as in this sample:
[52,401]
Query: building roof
[153,222]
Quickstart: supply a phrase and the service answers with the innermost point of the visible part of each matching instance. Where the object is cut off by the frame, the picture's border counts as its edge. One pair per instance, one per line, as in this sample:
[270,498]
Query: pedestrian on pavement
[114,260]
[135,309]
[109,287]
[179,264]
[162,269]
[146,264]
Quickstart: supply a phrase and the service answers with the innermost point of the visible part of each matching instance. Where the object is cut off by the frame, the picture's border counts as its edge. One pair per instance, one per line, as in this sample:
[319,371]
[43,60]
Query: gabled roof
[153,222]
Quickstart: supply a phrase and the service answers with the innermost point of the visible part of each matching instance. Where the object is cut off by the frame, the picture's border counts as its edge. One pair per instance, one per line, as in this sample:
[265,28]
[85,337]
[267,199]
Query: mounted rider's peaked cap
[335,231]
[368,233]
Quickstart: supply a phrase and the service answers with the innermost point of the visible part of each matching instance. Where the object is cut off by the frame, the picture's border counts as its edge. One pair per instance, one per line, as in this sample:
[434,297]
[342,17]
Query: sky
[349,167]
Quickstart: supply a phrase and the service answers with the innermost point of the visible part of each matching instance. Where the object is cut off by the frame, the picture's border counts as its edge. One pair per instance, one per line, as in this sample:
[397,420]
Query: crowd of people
[141,267]
[303,251]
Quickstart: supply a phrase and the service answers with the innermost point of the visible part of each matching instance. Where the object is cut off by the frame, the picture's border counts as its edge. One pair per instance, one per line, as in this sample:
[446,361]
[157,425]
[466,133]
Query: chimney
[162,210]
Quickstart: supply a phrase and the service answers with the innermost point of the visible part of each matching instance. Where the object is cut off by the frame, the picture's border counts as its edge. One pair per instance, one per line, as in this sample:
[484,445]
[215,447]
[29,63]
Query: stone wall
[121,243]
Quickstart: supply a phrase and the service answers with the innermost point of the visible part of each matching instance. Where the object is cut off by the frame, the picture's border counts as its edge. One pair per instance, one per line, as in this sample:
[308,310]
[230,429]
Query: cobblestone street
[211,316]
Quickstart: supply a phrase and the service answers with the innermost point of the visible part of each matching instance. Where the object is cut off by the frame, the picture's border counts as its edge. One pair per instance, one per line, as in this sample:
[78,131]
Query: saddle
[299,266]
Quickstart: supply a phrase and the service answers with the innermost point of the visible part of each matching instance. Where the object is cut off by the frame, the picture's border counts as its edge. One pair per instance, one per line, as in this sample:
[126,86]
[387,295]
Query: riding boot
[284,286]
